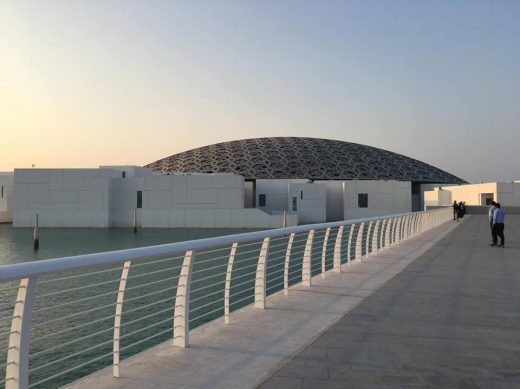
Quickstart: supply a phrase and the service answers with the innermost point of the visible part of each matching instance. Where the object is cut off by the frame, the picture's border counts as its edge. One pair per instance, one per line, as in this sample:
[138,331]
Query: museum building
[251,183]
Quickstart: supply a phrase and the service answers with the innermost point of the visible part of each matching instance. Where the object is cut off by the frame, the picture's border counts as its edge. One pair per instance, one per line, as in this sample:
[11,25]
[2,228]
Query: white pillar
[118,316]
[17,368]
[337,250]
[349,244]
[324,251]
[227,287]
[181,315]
[286,266]
[261,274]
[307,260]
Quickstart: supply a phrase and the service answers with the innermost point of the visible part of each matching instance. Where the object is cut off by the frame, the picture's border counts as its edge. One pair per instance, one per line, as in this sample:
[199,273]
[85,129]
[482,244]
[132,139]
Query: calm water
[16,243]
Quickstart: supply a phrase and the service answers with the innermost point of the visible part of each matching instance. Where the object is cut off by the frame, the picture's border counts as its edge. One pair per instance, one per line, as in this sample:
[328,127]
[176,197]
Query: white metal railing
[72,316]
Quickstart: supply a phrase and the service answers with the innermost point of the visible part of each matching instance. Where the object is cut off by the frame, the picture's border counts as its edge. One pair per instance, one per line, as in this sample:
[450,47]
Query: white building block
[196,181]
[223,218]
[193,218]
[157,183]
[157,199]
[228,198]
[207,218]
[56,180]
[238,218]
[99,218]
[177,218]
[72,180]
[38,193]
[161,218]
[93,200]
[146,218]
[202,196]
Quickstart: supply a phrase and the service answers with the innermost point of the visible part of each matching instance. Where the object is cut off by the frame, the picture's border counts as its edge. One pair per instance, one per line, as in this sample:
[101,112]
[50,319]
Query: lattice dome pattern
[308,158]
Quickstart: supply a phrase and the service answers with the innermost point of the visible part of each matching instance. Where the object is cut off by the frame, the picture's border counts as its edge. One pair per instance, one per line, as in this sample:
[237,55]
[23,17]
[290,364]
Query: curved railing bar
[28,269]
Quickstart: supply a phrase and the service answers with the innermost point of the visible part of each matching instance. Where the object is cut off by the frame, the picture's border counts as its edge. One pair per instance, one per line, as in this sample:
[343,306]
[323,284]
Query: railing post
[337,250]
[349,244]
[307,260]
[391,233]
[397,227]
[118,316]
[382,234]
[286,265]
[227,287]
[375,237]
[17,368]
[388,236]
[412,227]
[324,251]
[260,275]
[369,234]
[359,242]
[181,315]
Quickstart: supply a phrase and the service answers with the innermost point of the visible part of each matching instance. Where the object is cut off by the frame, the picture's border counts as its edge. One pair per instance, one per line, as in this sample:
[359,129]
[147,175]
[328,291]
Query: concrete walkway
[257,343]
[451,319]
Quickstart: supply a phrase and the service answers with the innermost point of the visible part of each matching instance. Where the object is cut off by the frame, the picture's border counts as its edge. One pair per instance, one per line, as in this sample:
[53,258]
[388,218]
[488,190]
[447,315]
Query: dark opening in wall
[139,199]
[362,200]
[262,200]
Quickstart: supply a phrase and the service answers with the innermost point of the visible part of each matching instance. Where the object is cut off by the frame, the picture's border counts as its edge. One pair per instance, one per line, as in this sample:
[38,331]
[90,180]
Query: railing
[72,316]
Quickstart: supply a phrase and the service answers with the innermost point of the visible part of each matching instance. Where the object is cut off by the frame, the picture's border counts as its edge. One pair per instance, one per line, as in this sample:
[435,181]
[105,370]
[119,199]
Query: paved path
[451,319]
[258,342]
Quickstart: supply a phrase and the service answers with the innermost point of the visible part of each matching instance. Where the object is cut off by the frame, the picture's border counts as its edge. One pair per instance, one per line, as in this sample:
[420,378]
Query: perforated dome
[310,158]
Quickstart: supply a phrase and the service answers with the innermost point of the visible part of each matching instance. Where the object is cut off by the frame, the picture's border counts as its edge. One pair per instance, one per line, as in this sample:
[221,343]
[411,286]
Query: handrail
[30,269]
[253,273]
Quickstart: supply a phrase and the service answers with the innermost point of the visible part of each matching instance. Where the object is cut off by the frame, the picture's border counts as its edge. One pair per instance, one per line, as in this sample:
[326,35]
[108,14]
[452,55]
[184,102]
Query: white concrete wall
[62,197]
[437,197]
[174,200]
[102,198]
[384,198]
[212,218]
[311,202]
[6,197]
[276,191]
[507,194]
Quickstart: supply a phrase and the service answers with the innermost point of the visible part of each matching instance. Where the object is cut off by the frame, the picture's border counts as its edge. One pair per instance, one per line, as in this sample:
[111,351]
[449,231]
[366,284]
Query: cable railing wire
[41,282]
[39,324]
[74,302]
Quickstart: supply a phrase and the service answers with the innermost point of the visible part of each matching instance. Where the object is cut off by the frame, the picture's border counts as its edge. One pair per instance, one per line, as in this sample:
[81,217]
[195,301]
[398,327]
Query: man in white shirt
[491,211]
[498,225]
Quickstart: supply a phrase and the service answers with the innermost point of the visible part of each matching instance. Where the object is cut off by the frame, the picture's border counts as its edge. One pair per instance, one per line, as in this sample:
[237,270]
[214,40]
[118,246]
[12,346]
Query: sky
[89,83]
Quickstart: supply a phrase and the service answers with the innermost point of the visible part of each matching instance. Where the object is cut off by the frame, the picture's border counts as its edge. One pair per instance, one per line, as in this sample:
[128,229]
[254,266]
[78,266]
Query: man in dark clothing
[455,210]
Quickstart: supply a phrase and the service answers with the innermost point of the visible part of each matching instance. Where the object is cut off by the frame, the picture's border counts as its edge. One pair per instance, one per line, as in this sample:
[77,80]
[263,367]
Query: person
[498,225]
[491,211]
[455,210]
[461,210]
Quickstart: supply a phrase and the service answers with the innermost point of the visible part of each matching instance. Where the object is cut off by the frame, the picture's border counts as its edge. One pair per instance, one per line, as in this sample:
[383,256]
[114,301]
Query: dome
[307,158]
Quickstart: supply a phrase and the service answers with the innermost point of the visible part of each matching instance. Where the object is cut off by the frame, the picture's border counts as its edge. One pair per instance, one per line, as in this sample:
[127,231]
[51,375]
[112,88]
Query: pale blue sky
[84,83]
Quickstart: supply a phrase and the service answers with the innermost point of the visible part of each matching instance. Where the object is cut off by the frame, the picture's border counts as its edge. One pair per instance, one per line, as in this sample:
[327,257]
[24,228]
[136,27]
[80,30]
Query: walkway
[450,320]
[414,326]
